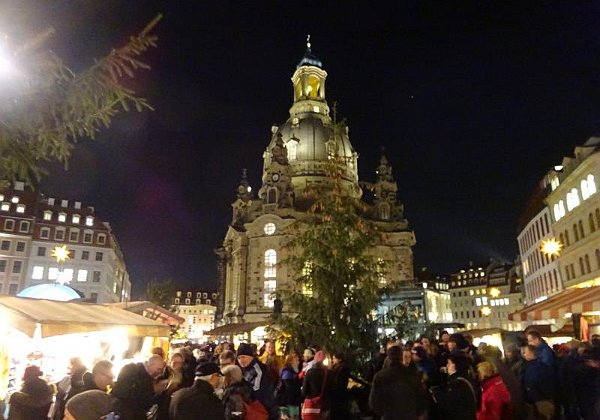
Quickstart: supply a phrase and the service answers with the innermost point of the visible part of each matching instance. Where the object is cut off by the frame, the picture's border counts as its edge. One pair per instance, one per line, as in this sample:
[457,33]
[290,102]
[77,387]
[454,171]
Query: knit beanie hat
[245,349]
[90,405]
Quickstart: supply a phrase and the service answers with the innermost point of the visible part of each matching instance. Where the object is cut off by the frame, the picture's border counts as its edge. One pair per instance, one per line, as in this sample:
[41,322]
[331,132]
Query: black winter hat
[245,349]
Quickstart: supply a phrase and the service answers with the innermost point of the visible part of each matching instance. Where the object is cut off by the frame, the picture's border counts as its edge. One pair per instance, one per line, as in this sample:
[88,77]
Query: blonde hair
[486,370]
[233,373]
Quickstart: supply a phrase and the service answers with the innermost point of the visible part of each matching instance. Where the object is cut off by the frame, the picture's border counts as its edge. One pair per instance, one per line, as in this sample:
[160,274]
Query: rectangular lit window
[5,206]
[15,199]
[37,273]
[62,217]
[20,208]
[47,215]
[66,275]
[89,221]
[53,273]
[76,219]
[506,301]
[82,275]
[478,301]
[270,287]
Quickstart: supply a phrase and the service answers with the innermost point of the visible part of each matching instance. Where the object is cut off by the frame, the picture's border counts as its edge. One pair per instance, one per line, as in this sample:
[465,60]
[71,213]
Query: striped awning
[574,300]
[58,318]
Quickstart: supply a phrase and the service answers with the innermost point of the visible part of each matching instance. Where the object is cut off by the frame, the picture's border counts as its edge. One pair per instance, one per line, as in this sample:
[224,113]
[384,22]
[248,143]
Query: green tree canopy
[336,288]
[51,107]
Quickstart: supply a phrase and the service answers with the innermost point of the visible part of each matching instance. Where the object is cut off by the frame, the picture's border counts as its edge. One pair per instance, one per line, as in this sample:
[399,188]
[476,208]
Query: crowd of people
[453,379]
[447,378]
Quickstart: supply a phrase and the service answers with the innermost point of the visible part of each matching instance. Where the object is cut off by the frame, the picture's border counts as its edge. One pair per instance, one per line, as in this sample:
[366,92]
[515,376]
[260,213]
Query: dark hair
[463,363]
[394,355]
[534,333]
[533,349]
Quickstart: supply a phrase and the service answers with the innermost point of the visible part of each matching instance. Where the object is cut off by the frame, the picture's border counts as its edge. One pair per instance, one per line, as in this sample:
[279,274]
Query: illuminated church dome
[51,291]
[308,134]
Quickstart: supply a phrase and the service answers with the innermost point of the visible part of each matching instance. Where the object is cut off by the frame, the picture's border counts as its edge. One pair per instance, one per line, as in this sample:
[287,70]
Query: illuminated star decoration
[494,292]
[486,311]
[551,247]
[60,253]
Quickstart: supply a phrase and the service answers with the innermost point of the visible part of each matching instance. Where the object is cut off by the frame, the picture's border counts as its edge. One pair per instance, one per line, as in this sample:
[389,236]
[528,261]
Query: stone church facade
[249,269]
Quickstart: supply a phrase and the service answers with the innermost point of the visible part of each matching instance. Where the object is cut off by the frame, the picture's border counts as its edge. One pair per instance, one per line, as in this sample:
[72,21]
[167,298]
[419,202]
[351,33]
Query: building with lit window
[482,296]
[33,227]
[198,308]
[573,209]
[574,202]
[541,274]
[249,262]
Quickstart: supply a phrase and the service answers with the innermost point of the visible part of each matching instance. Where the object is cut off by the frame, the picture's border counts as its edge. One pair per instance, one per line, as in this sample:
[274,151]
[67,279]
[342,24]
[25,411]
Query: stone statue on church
[279,151]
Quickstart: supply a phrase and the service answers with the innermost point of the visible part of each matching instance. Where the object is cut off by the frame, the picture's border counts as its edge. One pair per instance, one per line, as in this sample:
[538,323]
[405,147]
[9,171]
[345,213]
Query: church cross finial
[308,42]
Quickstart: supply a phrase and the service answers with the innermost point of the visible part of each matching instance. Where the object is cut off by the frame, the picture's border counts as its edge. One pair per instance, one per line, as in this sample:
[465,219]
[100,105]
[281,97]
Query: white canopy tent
[53,318]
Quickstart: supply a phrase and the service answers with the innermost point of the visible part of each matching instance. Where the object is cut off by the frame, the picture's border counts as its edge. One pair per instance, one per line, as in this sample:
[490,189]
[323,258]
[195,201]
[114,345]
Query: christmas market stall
[48,333]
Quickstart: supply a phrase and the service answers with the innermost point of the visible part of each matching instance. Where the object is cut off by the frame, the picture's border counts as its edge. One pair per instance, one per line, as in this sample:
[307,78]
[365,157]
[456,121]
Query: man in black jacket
[199,400]
[137,387]
[396,391]
[259,378]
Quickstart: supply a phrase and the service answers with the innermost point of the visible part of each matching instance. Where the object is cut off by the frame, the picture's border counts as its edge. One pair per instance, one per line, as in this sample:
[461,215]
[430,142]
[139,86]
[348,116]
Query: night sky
[473,104]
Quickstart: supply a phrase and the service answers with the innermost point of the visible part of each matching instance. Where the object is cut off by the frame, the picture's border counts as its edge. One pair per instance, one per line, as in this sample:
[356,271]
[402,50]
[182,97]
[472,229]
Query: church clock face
[269,228]
[275,177]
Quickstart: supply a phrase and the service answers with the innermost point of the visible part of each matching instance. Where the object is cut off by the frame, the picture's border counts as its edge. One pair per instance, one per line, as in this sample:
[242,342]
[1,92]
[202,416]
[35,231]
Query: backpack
[255,411]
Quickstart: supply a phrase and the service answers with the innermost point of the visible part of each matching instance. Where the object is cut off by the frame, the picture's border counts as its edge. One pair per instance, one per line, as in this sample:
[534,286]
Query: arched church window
[270,263]
[384,211]
[272,196]
[313,87]
[591,184]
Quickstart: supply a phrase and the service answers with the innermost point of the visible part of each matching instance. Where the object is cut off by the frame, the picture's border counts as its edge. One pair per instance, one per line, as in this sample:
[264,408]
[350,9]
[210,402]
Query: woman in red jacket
[495,398]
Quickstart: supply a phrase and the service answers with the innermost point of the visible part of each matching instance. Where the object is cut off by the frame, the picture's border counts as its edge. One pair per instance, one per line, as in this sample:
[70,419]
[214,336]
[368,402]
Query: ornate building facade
[32,226]
[249,262]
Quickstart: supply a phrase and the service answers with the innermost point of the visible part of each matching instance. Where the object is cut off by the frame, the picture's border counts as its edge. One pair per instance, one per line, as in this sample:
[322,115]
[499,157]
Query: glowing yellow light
[486,311]
[61,253]
[551,247]
[494,292]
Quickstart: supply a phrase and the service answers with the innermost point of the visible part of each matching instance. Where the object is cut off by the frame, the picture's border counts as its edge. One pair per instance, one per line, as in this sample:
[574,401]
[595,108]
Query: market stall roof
[152,311]
[574,300]
[58,318]
[233,329]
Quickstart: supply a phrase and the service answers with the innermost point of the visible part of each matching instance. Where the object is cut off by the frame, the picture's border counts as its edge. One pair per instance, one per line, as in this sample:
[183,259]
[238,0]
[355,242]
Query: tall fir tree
[336,288]
[48,107]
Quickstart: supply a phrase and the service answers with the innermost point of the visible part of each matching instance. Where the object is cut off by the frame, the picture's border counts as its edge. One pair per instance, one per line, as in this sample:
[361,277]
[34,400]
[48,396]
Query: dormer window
[62,217]
[89,221]
[15,199]
[292,149]
[20,208]
[76,219]
[5,206]
[47,215]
